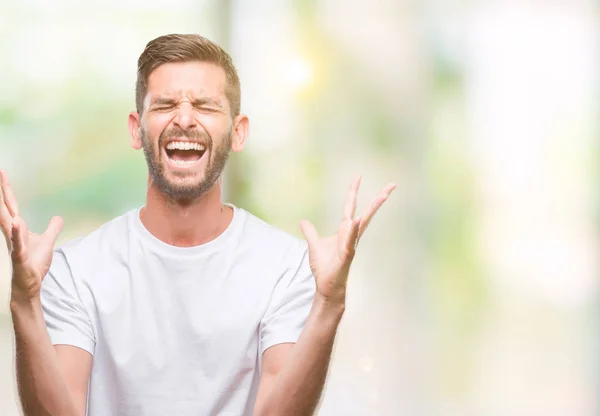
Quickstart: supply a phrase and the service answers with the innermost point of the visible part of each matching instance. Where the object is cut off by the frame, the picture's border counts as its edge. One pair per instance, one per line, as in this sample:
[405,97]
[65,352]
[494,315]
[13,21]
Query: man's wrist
[20,300]
[329,310]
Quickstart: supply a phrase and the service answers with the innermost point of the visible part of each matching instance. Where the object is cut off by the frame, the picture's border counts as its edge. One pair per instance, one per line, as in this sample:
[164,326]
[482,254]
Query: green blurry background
[475,290]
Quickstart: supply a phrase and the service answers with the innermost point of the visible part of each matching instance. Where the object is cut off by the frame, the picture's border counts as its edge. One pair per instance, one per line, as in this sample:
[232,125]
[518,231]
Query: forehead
[179,79]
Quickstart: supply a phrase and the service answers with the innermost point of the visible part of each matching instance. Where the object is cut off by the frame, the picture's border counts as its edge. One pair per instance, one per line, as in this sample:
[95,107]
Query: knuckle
[19,257]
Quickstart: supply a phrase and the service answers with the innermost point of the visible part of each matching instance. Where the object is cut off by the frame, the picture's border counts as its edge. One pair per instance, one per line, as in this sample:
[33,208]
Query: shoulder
[269,238]
[280,252]
[107,238]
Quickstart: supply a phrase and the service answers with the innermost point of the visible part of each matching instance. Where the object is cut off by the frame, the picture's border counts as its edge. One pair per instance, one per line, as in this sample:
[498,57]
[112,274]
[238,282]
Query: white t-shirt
[177,331]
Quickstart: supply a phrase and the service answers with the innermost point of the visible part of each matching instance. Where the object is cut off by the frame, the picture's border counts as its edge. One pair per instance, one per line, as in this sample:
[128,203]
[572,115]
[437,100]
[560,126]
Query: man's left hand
[330,257]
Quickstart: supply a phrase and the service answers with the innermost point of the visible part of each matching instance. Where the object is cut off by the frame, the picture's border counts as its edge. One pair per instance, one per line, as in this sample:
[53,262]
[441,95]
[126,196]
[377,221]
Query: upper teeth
[185,146]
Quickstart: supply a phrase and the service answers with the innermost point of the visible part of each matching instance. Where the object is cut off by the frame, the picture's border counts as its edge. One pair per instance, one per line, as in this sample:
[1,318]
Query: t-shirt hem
[73,340]
[283,339]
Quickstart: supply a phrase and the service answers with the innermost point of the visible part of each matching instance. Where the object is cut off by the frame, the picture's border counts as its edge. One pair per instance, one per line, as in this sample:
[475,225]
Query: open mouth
[184,154]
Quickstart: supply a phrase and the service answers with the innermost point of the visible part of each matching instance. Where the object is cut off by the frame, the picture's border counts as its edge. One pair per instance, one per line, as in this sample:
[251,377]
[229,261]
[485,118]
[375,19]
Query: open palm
[331,257]
[31,253]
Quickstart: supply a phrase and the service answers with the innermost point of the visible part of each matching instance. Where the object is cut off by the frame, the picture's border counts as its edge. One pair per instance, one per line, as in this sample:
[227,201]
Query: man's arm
[51,380]
[293,375]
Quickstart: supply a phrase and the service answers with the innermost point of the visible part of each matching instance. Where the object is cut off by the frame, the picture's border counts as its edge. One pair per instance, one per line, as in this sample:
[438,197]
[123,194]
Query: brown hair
[185,48]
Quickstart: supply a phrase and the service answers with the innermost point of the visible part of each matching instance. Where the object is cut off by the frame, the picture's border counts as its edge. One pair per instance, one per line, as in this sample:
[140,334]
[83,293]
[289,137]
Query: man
[186,306]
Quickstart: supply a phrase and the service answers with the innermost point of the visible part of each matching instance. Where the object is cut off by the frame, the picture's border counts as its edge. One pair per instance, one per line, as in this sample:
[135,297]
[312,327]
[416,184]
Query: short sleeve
[66,318]
[290,303]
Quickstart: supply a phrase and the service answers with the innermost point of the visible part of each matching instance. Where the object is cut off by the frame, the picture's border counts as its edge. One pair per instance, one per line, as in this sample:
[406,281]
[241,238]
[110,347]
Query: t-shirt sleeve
[290,303]
[66,318]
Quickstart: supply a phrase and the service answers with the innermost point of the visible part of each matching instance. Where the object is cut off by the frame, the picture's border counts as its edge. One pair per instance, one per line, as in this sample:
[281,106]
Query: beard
[184,188]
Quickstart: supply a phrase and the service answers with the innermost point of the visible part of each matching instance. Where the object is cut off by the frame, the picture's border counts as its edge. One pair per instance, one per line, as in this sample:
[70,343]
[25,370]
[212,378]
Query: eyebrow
[197,102]
[162,101]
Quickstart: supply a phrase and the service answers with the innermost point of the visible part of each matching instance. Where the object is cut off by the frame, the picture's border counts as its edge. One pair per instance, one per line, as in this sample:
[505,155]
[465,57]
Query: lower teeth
[182,162]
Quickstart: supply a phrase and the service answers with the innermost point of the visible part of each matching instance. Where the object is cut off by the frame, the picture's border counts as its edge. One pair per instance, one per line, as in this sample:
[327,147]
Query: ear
[135,130]
[241,127]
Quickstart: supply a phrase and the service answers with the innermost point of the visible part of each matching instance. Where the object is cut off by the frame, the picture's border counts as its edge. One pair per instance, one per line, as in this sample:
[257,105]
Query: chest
[168,319]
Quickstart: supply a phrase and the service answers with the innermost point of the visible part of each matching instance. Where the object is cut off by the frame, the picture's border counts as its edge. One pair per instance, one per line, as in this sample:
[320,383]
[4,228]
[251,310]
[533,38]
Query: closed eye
[207,109]
[164,108]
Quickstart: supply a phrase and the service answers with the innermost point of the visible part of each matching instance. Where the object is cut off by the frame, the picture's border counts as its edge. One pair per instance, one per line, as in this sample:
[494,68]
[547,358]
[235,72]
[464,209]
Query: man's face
[186,128]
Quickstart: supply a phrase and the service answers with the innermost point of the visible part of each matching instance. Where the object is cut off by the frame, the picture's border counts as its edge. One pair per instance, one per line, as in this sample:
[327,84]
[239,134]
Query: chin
[184,190]
[183,185]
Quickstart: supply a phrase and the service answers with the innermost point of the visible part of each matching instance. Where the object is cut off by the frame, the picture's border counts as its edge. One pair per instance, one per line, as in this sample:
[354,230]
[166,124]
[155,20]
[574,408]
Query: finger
[350,204]
[7,233]
[54,228]
[19,231]
[352,239]
[6,225]
[9,196]
[374,207]
[5,215]
[310,232]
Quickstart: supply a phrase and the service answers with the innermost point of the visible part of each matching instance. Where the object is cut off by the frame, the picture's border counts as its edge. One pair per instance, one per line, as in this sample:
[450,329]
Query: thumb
[19,236]
[310,233]
[54,228]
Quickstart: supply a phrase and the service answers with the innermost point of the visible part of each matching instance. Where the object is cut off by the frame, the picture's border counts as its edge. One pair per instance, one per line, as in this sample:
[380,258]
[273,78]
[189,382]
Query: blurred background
[475,289]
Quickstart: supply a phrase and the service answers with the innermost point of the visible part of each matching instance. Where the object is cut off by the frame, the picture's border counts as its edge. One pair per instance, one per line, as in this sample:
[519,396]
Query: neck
[186,224]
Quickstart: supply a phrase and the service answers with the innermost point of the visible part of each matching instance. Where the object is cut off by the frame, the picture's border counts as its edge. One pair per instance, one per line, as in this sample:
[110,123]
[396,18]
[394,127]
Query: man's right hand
[31,253]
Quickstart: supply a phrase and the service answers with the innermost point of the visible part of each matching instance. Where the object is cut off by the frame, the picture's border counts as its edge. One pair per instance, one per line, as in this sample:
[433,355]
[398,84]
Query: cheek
[218,128]
[211,123]
[154,126]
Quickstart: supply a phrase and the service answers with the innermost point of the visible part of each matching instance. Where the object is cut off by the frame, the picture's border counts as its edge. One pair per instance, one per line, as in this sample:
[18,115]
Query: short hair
[185,48]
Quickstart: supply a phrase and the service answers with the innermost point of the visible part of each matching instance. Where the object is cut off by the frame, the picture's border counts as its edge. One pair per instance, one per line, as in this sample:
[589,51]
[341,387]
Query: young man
[186,306]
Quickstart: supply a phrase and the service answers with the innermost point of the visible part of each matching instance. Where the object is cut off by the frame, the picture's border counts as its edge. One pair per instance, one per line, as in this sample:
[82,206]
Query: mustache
[176,132]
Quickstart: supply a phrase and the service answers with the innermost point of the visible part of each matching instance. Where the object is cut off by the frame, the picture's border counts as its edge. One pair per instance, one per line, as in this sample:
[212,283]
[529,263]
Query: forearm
[300,382]
[42,388]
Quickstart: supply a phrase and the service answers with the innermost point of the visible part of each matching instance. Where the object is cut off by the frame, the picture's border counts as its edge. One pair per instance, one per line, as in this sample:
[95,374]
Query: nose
[185,117]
